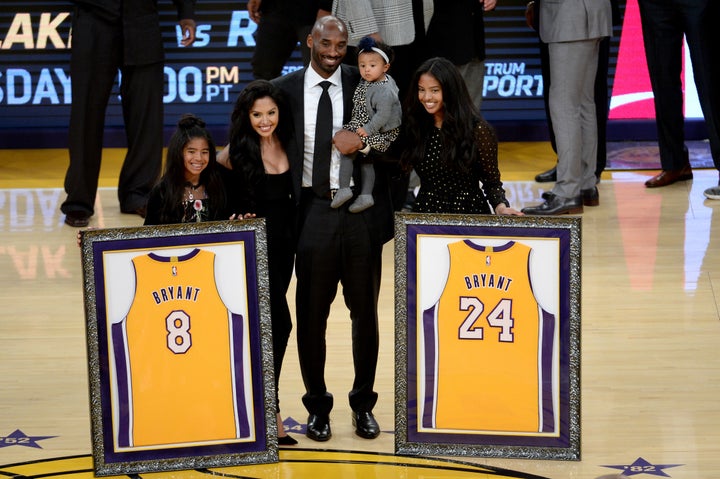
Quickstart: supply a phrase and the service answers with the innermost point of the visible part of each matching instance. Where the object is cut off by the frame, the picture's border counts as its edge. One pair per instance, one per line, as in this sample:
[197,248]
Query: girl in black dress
[191,188]
[451,147]
[260,186]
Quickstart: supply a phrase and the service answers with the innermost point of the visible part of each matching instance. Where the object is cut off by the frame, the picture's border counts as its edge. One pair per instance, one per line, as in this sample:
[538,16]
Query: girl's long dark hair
[173,180]
[459,118]
[244,141]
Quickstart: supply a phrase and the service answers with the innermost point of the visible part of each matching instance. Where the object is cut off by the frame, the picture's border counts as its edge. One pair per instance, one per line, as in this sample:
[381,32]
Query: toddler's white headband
[379,52]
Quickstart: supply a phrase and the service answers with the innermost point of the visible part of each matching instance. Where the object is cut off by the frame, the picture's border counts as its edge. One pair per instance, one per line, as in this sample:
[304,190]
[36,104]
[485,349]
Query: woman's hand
[503,209]
[223,157]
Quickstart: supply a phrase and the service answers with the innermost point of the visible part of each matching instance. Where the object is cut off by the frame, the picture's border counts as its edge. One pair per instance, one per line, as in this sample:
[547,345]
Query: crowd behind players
[293,137]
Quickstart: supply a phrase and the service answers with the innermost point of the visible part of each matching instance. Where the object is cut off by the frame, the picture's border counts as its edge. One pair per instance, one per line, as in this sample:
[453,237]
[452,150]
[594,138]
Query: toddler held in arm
[376,117]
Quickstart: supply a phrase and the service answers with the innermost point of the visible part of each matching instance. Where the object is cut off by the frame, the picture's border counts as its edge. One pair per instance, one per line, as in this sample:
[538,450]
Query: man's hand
[530,14]
[347,142]
[187,26]
[253,8]
[488,4]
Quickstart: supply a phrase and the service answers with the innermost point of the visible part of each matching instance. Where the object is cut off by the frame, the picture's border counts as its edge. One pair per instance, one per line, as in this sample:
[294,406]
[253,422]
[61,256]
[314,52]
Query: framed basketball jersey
[487,335]
[178,356]
[180,346]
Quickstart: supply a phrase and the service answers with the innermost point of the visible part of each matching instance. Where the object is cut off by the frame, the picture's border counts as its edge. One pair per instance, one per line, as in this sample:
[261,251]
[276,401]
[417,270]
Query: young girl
[450,146]
[191,188]
[376,117]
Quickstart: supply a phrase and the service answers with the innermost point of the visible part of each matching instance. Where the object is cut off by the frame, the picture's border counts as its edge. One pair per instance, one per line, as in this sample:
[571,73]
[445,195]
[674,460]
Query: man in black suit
[334,245]
[109,35]
[281,25]
[457,32]
[664,23]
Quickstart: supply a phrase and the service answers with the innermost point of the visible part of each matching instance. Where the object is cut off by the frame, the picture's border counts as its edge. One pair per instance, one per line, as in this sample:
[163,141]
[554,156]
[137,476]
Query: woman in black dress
[451,147]
[259,185]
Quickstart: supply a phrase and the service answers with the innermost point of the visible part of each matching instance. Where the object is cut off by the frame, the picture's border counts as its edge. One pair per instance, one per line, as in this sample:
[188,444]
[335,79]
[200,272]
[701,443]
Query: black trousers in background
[97,54]
[276,38]
[335,248]
[664,22]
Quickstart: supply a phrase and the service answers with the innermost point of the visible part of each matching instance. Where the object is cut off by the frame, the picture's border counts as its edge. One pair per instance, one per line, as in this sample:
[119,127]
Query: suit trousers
[664,22]
[335,247]
[602,99]
[572,108]
[97,54]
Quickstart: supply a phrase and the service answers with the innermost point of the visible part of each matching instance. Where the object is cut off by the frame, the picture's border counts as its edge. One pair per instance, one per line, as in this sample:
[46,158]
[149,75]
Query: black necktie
[323,143]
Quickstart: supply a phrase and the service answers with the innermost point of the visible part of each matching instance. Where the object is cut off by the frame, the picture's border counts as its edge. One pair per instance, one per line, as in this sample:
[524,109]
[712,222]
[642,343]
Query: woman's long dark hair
[459,118]
[173,180]
[244,141]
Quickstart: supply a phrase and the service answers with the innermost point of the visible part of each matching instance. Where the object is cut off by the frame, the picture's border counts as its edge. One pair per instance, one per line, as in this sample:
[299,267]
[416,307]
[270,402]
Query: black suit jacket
[142,38]
[380,216]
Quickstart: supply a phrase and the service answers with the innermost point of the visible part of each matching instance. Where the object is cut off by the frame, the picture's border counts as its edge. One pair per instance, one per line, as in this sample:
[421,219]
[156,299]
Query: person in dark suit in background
[334,245]
[457,32]
[602,98]
[109,35]
[281,25]
[664,23]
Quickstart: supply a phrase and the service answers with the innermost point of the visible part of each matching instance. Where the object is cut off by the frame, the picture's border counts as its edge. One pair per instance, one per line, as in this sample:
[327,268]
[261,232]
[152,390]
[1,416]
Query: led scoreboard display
[205,78]
[35,42]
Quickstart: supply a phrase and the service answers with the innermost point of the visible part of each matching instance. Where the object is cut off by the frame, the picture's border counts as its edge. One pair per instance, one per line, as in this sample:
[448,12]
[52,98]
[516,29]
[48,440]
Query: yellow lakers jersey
[485,331]
[178,335]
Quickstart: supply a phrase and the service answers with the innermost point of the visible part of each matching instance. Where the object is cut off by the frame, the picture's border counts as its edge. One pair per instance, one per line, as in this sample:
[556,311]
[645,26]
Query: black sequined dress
[446,190]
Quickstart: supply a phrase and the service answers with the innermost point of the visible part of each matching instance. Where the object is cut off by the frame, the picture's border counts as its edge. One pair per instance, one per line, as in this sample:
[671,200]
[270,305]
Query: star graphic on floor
[19,438]
[291,425]
[641,466]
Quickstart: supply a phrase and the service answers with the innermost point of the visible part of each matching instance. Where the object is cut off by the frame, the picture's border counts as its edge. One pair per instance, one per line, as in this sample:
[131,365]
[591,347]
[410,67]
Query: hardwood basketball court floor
[650,334]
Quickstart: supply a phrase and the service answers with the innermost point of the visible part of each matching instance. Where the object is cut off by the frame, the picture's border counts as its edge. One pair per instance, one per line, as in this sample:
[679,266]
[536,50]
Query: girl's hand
[503,209]
[246,216]
[79,235]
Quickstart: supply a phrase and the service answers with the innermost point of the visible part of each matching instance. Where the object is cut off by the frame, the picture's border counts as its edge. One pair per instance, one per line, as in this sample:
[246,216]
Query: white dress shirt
[312,91]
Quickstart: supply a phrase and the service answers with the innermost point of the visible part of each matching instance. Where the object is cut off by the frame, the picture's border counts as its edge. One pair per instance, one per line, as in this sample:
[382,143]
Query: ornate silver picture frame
[487,336]
[179,347]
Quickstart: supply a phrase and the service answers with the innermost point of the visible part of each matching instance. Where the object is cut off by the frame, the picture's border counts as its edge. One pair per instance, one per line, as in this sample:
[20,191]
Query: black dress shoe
[365,424]
[318,427]
[556,205]
[590,197]
[547,176]
[77,218]
[286,440]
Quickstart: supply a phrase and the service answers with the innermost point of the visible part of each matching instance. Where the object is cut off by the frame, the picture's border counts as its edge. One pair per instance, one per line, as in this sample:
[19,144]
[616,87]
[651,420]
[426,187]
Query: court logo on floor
[293,463]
